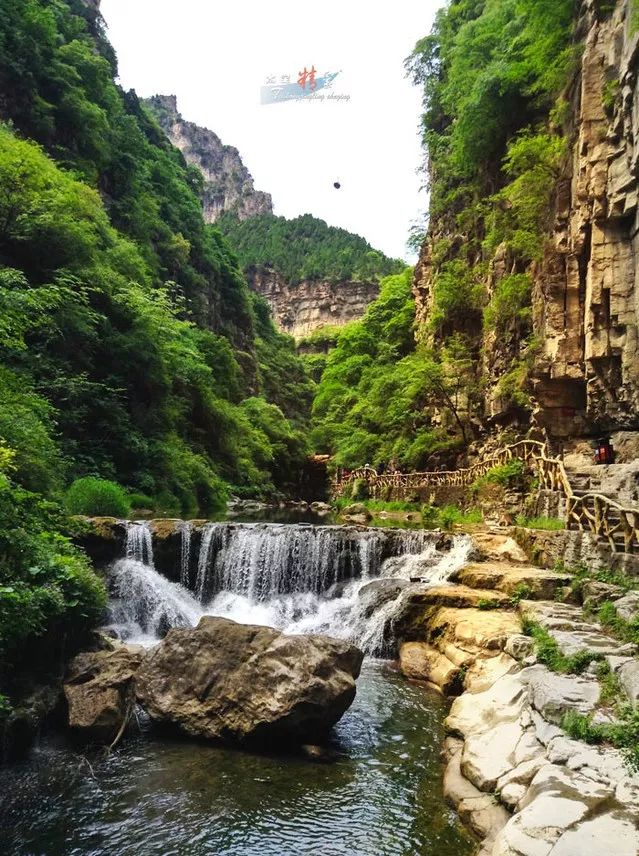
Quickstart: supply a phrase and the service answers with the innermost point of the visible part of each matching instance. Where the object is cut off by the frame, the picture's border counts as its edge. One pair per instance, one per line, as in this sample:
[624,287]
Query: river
[379,794]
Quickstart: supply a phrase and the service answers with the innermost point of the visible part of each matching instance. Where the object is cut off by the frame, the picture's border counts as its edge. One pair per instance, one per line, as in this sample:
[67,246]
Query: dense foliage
[305,248]
[132,340]
[494,128]
[131,349]
[376,397]
[48,593]
[492,73]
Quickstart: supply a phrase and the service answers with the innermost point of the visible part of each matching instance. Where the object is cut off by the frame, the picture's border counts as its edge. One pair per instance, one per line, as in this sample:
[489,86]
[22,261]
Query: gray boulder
[627,607]
[238,682]
[554,695]
[377,593]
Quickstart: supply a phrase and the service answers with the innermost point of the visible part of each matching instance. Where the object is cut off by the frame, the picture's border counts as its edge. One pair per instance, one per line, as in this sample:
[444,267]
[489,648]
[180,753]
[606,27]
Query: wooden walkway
[589,512]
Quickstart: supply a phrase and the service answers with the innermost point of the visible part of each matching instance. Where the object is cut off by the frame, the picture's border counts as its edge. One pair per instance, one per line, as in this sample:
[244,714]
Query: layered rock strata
[300,308]
[517,780]
[585,364]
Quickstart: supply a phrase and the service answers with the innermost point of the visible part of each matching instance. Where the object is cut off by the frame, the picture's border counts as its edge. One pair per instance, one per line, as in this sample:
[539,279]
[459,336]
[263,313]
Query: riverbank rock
[511,579]
[421,662]
[627,607]
[30,710]
[472,632]
[357,514]
[491,546]
[99,690]
[239,682]
[572,633]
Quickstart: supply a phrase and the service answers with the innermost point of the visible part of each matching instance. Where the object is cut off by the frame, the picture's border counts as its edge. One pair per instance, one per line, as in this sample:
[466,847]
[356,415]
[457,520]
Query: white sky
[215,56]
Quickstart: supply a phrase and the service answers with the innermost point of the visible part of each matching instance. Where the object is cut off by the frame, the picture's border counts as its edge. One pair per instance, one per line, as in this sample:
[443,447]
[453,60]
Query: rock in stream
[239,682]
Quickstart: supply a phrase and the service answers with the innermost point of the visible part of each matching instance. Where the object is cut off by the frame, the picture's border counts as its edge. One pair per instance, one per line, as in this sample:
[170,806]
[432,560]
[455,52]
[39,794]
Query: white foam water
[342,612]
[144,604]
[300,579]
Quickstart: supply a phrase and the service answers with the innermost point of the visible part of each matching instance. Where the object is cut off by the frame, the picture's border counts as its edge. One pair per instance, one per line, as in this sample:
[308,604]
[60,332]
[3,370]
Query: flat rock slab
[460,597]
[510,578]
[473,630]
[571,632]
[486,671]
[566,814]
[553,695]
[480,712]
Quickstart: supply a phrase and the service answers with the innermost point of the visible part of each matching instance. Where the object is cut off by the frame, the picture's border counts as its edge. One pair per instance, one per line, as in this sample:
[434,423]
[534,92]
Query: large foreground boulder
[238,682]
[99,691]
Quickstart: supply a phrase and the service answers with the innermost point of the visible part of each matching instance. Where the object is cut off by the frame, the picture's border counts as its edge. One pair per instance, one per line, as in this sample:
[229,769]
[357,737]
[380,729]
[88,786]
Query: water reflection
[381,796]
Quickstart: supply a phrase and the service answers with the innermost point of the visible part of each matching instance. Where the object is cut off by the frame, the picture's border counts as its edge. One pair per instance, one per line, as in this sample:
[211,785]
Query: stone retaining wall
[572,548]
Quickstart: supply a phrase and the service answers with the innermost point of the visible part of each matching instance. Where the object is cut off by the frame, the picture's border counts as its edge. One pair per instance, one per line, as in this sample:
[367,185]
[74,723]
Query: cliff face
[586,296]
[583,359]
[228,185]
[310,304]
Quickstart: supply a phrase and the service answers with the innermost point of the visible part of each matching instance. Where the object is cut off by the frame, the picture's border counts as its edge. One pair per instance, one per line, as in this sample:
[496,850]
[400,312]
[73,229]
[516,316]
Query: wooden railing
[591,512]
[378,484]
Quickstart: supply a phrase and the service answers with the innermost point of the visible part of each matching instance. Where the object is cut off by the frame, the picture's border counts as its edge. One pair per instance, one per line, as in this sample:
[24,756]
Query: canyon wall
[586,299]
[299,309]
[228,185]
[583,357]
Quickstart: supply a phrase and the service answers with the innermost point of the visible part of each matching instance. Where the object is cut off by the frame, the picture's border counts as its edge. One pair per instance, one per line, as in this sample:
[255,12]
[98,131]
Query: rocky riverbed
[516,647]
[514,775]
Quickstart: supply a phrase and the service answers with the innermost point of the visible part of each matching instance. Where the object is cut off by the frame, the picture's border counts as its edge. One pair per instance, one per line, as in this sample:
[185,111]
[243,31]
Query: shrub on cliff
[97,498]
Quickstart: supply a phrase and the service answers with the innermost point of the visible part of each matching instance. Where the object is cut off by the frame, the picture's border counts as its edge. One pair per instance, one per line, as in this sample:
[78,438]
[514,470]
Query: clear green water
[381,796]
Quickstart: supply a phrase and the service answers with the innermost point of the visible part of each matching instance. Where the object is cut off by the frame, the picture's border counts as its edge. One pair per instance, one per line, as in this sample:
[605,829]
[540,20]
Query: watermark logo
[306,85]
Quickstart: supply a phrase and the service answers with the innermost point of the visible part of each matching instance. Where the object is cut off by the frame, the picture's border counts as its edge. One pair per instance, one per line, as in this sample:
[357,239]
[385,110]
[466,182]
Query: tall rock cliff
[228,185]
[345,269]
[303,307]
[566,358]
[586,294]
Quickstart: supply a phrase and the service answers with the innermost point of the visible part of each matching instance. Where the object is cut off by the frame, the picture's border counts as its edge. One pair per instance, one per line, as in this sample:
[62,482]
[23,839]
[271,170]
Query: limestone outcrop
[585,313]
[228,185]
[521,784]
[524,786]
[300,308]
[238,682]
[99,691]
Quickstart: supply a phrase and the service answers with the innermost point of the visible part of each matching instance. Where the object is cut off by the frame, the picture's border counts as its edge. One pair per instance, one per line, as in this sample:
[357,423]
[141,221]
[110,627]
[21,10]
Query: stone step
[571,631]
[510,579]
[460,597]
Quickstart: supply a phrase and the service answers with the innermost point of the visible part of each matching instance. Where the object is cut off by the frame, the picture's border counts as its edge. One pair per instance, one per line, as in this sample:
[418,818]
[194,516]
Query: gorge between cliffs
[319,531]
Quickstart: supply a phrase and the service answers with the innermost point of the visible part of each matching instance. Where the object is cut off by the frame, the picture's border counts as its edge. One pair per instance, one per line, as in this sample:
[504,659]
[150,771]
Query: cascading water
[186,529]
[144,604]
[300,578]
[139,543]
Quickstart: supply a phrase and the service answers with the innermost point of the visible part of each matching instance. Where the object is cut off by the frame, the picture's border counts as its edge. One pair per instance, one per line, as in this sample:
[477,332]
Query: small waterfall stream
[297,577]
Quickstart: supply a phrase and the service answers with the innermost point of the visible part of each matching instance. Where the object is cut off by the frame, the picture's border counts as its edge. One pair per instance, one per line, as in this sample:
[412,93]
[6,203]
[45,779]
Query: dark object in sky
[336,185]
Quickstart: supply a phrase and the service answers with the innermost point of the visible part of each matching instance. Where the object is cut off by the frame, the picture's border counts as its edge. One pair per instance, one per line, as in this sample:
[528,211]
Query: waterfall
[185,552]
[139,542]
[144,605]
[261,560]
[344,581]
